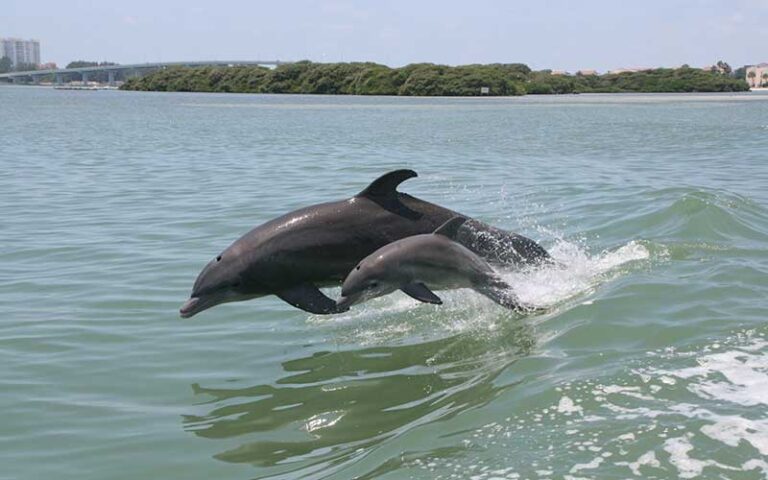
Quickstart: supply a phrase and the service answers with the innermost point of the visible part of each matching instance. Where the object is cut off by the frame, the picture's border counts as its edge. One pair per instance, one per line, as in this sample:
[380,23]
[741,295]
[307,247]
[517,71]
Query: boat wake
[705,418]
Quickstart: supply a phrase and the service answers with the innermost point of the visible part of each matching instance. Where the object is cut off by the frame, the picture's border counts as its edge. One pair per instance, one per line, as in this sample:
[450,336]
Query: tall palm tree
[765,79]
[751,75]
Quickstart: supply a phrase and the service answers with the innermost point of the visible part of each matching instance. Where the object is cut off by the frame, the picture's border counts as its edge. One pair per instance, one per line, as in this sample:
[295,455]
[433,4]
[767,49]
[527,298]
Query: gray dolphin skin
[292,255]
[418,264]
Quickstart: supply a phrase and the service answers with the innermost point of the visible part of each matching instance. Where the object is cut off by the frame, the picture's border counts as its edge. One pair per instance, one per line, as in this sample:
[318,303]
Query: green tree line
[426,79]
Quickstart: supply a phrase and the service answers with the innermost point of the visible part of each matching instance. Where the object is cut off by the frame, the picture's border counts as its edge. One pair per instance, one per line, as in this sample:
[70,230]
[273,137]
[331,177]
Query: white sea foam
[731,430]
[687,466]
[620,389]
[648,458]
[594,463]
[567,406]
[738,376]
[755,464]
[692,429]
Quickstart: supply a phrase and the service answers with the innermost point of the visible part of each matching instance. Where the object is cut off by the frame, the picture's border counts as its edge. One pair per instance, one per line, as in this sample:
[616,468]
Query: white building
[630,70]
[20,51]
[757,75]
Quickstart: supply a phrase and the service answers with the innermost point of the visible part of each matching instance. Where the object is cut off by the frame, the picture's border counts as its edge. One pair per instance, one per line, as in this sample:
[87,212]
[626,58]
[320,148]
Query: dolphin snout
[351,296]
[345,302]
[188,309]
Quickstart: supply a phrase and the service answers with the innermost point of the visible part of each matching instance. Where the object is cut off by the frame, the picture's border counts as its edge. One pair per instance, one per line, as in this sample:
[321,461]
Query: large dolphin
[420,263]
[292,255]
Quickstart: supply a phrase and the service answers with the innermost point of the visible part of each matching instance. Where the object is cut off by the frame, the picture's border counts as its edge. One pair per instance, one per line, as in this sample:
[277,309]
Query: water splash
[579,272]
[397,317]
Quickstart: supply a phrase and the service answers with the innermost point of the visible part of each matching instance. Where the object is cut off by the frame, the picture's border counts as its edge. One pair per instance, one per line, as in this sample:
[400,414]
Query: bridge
[128,70]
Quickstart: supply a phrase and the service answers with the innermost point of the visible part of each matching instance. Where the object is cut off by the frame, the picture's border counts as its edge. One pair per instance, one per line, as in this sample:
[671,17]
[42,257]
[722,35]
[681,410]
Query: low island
[426,79]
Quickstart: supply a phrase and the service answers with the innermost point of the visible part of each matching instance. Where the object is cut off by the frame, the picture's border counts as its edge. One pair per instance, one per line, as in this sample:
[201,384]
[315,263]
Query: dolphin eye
[218,259]
[236,284]
[357,267]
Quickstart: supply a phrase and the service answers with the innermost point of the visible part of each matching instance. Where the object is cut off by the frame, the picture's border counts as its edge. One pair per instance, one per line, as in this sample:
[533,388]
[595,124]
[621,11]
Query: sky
[556,34]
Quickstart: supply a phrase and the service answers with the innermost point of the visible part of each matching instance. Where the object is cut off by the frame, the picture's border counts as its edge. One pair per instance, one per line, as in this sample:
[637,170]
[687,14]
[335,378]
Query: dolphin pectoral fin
[503,297]
[501,293]
[310,299]
[420,292]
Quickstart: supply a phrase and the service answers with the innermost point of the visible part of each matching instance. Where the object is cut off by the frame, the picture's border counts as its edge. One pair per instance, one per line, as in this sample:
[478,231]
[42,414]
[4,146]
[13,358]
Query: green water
[650,357]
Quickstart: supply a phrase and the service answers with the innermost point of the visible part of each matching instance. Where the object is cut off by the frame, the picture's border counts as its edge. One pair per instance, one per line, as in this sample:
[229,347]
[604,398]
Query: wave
[412,365]
[682,421]
[691,214]
[394,365]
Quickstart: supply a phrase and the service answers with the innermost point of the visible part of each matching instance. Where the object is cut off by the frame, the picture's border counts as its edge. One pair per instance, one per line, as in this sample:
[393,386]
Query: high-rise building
[20,51]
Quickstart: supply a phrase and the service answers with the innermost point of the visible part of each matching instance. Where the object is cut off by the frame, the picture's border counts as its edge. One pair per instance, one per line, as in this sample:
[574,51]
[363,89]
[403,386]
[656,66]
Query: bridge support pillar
[59,79]
[85,77]
[36,79]
[111,74]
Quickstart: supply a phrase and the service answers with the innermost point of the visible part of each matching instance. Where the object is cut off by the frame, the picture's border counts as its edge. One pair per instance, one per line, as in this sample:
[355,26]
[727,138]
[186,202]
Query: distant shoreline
[427,80]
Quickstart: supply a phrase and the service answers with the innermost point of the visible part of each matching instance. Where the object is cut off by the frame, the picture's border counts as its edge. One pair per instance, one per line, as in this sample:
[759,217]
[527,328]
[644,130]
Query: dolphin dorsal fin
[386,185]
[451,227]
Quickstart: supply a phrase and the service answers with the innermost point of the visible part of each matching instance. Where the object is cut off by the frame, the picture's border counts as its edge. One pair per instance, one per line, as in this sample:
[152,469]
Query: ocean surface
[649,357]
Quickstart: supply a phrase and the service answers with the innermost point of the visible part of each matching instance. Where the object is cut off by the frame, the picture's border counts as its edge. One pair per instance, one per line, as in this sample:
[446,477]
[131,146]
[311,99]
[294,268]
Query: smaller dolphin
[433,259]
